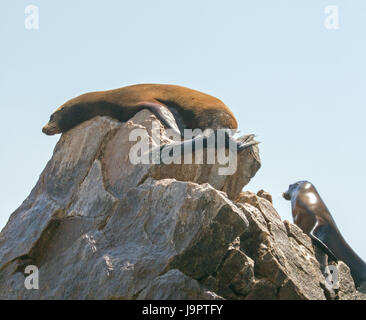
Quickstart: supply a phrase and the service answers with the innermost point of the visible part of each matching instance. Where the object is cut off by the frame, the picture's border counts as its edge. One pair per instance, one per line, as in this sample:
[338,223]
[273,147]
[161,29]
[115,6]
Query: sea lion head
[65,118]
[295,187]
[70,114]
[53,125]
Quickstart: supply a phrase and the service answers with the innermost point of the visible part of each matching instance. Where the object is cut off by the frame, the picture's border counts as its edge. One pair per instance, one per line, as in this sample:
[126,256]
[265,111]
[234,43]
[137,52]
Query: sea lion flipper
[162,112]
[245,142]
[320,234]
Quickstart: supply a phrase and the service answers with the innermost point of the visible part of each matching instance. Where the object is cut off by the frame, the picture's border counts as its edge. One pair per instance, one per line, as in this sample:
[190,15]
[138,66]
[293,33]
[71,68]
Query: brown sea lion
[175,106]
[312,215]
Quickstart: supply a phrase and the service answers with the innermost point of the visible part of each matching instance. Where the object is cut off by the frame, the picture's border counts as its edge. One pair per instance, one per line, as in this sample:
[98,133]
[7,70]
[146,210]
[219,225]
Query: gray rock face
[98,227]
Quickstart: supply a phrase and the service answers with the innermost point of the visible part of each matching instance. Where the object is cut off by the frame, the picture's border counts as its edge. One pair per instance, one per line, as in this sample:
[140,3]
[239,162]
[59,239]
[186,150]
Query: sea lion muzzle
[286,195]
[50,129]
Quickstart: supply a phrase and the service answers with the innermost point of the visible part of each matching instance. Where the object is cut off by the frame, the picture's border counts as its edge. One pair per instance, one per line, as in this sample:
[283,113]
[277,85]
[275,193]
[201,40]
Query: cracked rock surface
[99,227]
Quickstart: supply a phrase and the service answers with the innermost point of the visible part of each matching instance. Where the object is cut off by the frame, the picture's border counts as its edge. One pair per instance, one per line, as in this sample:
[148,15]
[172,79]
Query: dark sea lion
[312,215]
[175,106]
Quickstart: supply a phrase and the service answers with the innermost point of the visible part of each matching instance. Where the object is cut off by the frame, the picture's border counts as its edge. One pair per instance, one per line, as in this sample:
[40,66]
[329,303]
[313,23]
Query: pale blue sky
[297,85]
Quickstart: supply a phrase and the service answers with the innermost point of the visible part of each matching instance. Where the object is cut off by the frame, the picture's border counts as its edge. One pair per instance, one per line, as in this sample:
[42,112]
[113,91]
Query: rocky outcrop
[98,227]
